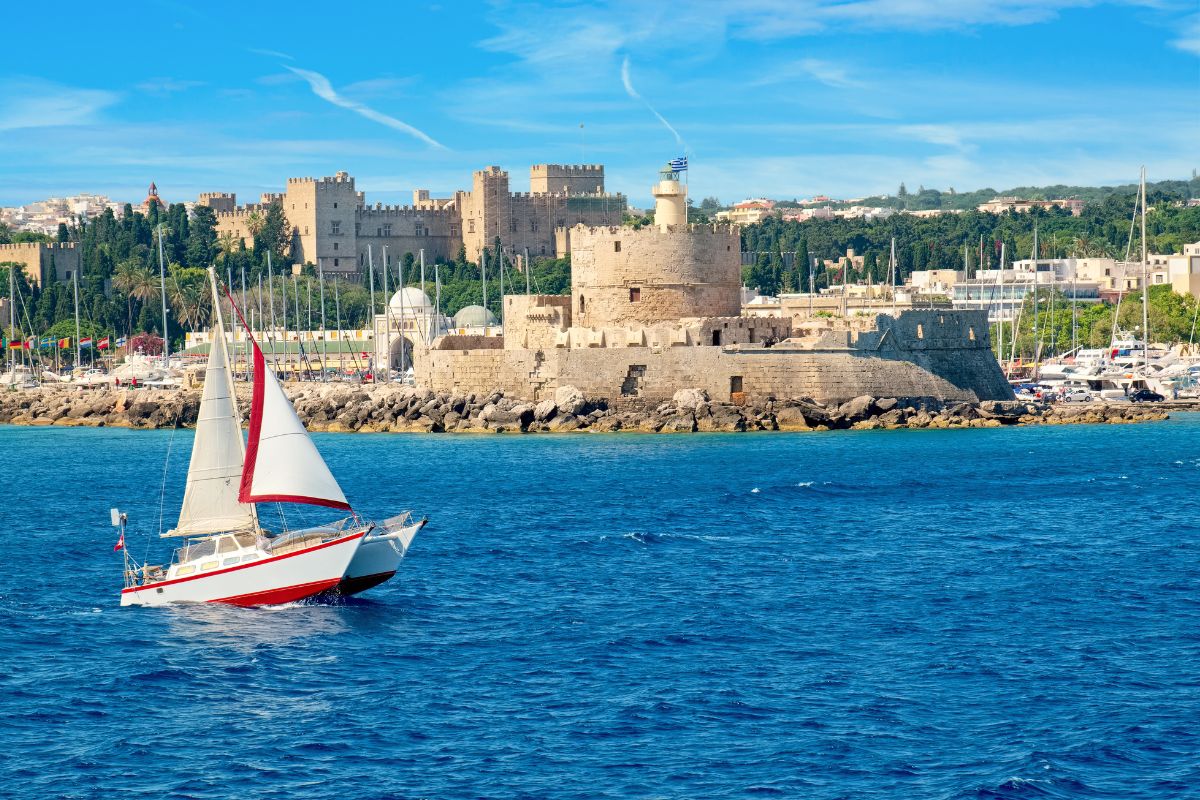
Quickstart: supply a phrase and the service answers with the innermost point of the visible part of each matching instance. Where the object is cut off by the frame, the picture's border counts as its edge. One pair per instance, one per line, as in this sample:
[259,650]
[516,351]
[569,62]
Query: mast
[483,275]
[403,303]
[337,308]
[12,321]
[246,341]
[1037,342]
[374,327]
[500,269]
[424,296]
[324,333]
[78,346]
[283,288]
[162,282]
[437,302]
[1000,316]
[1145,286]
[271,301]
[893,276]
[387,321]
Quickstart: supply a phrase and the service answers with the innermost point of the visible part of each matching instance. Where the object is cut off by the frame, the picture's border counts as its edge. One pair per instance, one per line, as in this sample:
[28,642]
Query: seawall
[378,409]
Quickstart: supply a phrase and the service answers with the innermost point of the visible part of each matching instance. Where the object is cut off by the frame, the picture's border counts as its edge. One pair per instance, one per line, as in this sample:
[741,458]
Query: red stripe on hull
[161,584]
[350,586]
[271,597]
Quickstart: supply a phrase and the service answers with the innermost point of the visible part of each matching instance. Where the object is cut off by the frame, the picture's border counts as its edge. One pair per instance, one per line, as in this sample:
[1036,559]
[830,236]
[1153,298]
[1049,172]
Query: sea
[993,613]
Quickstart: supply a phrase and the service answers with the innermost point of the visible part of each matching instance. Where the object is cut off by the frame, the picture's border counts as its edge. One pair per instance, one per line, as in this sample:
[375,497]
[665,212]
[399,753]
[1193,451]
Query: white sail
[210,502]
[282,463]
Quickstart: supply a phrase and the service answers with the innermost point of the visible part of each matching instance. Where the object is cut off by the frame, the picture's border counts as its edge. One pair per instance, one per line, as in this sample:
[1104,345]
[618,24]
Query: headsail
[210,502]
[282,463]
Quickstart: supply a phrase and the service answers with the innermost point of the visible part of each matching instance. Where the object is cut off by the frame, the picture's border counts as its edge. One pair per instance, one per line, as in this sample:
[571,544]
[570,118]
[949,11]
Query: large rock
[569,400]
[545,410]
[858,408]
[792,418]
[689,399]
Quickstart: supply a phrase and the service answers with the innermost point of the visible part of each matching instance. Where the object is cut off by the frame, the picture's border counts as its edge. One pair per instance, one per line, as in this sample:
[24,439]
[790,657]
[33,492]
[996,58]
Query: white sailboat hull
[377,558]
[269,581]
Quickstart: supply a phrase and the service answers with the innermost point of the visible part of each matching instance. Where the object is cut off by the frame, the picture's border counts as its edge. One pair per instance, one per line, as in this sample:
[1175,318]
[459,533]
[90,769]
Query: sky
[775,98]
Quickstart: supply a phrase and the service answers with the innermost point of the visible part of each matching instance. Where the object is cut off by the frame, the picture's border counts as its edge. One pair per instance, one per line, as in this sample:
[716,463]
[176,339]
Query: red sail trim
[256,404]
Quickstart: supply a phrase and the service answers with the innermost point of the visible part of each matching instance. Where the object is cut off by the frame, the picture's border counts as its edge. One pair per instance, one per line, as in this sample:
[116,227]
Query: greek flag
[679,164]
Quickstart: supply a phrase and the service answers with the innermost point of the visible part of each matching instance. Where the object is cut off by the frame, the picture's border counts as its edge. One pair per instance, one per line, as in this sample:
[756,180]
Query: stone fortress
[333,226]
[658,309]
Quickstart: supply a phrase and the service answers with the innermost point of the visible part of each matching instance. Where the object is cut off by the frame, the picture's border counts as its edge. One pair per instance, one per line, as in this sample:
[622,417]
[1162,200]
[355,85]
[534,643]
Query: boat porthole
[160,590]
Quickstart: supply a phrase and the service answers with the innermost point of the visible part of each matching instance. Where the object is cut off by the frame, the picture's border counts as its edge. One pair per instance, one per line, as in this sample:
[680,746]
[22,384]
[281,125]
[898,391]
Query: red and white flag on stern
[120,545]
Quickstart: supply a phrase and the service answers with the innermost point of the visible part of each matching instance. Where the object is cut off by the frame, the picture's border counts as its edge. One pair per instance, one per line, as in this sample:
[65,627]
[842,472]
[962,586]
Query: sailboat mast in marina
[229,555]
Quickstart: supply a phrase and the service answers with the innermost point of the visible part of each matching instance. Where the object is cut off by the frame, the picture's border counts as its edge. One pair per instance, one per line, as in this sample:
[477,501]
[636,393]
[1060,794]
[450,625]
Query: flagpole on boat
[1145,288]
[324,333]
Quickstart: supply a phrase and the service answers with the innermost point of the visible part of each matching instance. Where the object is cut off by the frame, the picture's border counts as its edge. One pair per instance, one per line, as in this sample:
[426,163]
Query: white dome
[473,317]
[411,301]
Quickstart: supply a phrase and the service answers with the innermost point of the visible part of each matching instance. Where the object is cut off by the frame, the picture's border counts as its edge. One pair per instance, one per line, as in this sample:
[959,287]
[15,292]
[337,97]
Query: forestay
[282,463]
[210,501]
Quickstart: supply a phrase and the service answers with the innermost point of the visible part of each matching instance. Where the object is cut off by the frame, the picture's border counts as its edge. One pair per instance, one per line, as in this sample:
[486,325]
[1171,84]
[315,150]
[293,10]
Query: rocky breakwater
[391,408]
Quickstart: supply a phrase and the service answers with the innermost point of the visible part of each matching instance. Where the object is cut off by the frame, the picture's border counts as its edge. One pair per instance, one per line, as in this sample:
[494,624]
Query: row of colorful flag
[47,342]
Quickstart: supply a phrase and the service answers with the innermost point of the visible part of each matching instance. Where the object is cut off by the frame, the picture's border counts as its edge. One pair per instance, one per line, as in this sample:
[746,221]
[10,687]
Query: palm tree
[226,243]
[254,224]
[124,281]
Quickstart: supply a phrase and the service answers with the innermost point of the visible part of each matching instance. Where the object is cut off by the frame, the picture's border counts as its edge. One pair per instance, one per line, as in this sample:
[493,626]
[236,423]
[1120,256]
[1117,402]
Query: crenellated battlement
[581,169]
[379,209]
[654,232]
[339,179]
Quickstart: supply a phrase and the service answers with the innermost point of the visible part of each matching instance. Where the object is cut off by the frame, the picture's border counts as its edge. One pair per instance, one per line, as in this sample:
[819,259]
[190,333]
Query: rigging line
[162,496]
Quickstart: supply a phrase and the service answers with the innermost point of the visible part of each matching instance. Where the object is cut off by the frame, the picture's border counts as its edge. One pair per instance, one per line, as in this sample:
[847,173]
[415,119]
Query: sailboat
[229,557]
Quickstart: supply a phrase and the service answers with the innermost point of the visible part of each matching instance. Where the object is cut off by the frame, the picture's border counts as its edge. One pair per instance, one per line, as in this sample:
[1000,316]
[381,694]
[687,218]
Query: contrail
[633,93]
[324,90]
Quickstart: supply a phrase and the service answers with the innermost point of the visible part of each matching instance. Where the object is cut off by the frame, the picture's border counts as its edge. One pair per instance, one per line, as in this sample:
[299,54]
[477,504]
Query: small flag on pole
[64,344]
[120,545]
[47,341]
[120,341]
[85,342]
[679,164]
[104,344]
[17,345]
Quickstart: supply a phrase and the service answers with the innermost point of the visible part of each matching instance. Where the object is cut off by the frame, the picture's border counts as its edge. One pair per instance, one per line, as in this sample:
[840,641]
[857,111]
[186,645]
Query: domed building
[474,317]
[412,322]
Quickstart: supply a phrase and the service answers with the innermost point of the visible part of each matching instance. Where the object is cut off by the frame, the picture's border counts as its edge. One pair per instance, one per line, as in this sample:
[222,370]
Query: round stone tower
[670,199]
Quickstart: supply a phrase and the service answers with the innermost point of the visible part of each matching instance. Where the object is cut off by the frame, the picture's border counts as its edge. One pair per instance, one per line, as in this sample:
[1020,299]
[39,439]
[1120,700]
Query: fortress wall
[56,261]
[676,274]
[942,364]
[577,178]
[534,322]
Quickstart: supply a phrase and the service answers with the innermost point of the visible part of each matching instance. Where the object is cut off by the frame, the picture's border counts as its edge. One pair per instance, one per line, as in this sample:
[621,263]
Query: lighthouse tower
[670,199]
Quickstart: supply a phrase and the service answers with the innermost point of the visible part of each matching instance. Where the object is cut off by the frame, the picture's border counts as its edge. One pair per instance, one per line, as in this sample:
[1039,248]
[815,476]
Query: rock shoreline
[402,409]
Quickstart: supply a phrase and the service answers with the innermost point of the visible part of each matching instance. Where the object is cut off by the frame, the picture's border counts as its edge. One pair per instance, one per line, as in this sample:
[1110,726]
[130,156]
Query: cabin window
[635,294]
[207,565]
[206,548]
[244,539]
[920,331]
[229,562]
[182,571]
[616,247]
[716,339]
[227,545]
[251,557]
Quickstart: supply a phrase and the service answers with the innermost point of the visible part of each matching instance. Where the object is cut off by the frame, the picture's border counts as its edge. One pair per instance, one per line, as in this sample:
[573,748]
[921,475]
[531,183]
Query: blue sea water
[1008,613]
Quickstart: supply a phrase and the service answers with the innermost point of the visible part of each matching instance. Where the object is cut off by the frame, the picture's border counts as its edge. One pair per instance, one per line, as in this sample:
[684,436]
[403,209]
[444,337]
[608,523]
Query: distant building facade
[998,205]
[57,261]
[336,230]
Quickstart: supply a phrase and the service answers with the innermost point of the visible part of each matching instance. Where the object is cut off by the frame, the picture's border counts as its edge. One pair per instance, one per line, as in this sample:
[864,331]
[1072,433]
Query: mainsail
[282,463]
[210,502]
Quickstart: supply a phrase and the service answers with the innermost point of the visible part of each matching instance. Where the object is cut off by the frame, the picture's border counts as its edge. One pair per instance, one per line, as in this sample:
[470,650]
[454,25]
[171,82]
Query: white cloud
[40,104]
[830,74]
[1189,38]
[628,83]
[324,89]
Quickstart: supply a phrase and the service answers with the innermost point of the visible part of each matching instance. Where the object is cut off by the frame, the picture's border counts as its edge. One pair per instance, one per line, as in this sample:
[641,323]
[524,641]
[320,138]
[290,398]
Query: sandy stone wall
[624,276]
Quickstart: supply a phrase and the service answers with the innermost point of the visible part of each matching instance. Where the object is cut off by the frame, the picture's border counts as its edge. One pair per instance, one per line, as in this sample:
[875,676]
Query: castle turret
[670,199]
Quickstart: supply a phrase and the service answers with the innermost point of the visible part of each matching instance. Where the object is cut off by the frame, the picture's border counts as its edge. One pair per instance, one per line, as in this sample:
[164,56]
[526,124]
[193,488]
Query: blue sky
[783,98]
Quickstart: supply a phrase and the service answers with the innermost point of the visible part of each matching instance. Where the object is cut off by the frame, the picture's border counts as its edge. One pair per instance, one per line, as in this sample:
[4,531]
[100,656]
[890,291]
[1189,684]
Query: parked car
[1146,396]
[1077,395]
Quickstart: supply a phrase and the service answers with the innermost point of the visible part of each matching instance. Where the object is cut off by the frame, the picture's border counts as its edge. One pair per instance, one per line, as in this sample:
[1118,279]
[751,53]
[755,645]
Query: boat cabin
[217,552]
